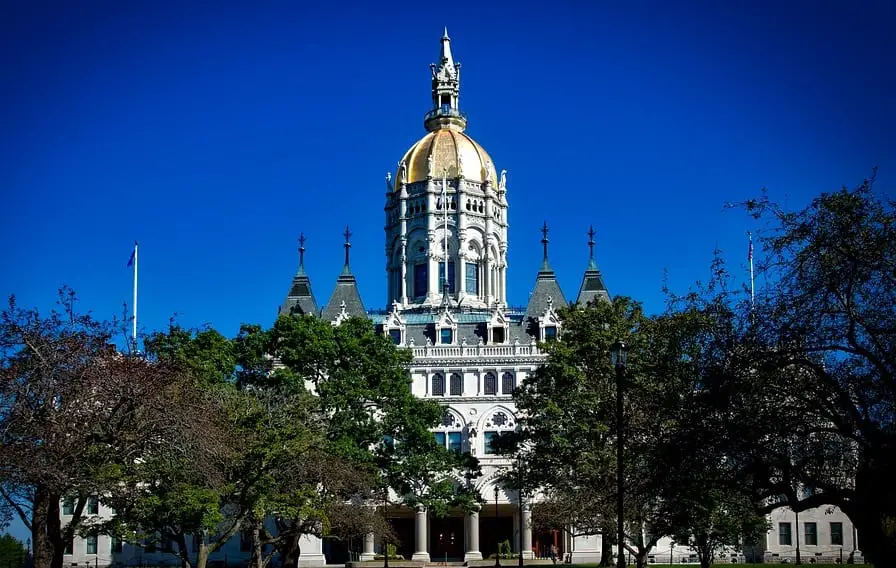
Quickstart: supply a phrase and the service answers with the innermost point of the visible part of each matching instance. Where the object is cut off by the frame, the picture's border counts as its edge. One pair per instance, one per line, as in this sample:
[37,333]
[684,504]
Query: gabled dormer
[394,325]
[446,329]
[498,328]
[549,323]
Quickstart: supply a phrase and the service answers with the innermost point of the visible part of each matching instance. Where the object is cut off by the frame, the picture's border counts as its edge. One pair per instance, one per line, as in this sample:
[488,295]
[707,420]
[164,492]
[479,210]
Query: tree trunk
[870,515]
[43,548]
[606,546]
[292,551]
[201,549]
[54,529]
[641,558]
[257,558]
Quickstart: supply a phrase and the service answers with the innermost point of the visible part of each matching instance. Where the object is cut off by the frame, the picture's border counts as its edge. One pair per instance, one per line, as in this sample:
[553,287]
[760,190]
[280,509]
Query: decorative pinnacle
[348,235]
[544,242]
[591,264]
[301,253]
[591,242]
[445,35]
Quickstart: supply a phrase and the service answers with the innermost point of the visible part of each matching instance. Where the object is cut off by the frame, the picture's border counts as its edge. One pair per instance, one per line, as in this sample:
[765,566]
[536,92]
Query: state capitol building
[446,219]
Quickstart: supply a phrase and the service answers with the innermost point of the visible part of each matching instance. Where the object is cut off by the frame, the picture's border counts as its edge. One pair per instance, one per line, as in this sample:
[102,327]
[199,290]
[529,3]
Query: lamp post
[618,358]
[385,526]
[520,498]
[497,547]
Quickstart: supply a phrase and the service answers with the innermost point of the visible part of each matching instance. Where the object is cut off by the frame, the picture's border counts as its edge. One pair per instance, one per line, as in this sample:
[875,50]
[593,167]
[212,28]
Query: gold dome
[447,147]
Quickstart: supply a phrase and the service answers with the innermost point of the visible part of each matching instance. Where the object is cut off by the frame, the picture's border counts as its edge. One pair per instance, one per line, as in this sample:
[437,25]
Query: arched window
[491,384]
[457,384]
[438,385]
[449,433]
[508,383]
[500,423]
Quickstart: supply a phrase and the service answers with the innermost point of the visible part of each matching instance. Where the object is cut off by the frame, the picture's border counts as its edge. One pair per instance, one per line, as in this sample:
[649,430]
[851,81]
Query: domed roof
[448,149]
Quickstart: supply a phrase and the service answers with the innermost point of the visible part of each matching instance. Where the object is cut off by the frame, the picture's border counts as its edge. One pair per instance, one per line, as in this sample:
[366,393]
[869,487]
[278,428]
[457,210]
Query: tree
[803,384]
[267,464]
[12,552]
[568,427]
[75,413]
[360,381]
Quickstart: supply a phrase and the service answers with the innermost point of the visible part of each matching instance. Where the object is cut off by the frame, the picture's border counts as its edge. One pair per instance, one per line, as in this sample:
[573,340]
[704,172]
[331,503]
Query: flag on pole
[750,251]
[133,254]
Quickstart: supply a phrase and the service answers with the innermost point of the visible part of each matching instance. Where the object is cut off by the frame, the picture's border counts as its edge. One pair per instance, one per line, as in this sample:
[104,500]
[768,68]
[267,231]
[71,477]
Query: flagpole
[445,236]
[750,256]
[134,332]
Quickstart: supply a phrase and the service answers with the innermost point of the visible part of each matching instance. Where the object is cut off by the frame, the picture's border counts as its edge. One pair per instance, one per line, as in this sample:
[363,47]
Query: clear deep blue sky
[215,132]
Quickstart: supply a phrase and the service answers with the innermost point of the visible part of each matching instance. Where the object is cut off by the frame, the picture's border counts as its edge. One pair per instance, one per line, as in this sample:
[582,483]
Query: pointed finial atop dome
[446,58]
[445,112]
[544,242]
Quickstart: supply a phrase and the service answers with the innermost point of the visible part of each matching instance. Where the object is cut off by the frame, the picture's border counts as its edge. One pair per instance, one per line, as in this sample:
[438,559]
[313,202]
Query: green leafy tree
[75,414]
[360,380]
[13,553]
[568,430]
[798,391]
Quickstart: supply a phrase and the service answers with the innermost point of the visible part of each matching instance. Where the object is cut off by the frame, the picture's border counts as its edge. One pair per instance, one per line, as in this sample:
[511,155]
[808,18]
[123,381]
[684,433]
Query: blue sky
[215,132]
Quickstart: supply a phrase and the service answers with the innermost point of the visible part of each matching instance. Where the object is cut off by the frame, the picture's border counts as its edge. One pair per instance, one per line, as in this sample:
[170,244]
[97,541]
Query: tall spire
[591,264]
[544,241]
[345,300]
[348,245]
[446,58]
[445,111]
[593,287]
[301,254]
[300,299]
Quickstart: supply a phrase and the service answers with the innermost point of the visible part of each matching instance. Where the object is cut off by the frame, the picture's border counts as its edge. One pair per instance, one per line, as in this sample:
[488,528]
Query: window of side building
[91,544]
[115,545]
[68,506]
[837,533]
[784,534]
[93,505]
[69,546]
[811,530]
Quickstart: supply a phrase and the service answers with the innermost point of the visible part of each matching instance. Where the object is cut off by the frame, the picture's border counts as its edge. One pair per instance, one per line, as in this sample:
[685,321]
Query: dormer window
[446,336]
[498,335]
[550,333]
[395,334]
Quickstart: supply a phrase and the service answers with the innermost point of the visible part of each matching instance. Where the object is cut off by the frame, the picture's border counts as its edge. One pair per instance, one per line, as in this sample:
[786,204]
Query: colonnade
[472,551]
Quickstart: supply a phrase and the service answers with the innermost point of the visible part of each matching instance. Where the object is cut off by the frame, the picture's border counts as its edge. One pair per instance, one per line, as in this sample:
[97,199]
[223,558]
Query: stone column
[526,527]
[368,552]
[421,554]
[472,552]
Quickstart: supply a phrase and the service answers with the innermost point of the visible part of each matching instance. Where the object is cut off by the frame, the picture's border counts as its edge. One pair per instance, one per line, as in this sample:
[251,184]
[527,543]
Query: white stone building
[446,213]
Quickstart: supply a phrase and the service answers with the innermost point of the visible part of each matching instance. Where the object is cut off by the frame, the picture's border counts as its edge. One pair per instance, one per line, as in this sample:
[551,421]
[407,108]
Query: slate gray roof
[593,286]
[546,286]
[346,291]
[300,298]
